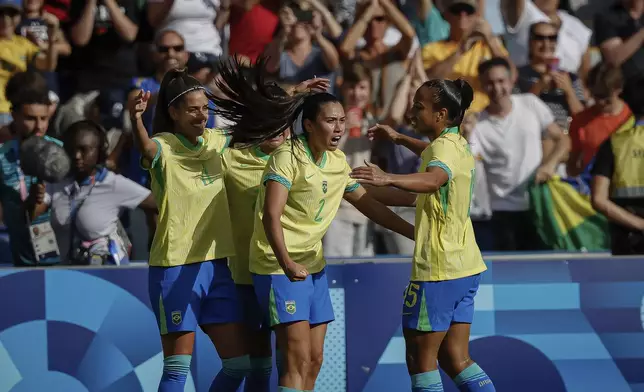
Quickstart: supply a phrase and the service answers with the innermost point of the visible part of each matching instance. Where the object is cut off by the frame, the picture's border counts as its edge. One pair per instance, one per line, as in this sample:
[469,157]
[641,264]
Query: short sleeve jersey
[445,245]
[315,191]
[188,185]
[243,178]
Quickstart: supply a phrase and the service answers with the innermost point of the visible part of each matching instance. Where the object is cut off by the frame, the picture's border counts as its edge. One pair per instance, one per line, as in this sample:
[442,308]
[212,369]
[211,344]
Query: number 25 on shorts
[411,295]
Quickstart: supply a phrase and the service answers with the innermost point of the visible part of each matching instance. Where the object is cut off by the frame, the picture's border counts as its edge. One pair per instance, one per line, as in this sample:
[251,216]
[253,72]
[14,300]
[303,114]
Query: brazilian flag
[565,218]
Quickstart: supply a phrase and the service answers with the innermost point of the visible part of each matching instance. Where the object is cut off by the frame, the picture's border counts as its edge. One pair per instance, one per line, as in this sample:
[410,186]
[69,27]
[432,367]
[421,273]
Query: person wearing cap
[17,52]
[470,42]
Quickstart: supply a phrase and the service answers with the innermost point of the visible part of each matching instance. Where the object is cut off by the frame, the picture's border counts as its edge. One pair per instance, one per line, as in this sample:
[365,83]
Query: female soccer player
[190,284]
[243,176]
[447,263]
[304,182]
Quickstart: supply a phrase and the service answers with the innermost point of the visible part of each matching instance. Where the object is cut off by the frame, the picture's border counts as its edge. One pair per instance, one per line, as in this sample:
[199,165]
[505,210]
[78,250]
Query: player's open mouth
[335,140]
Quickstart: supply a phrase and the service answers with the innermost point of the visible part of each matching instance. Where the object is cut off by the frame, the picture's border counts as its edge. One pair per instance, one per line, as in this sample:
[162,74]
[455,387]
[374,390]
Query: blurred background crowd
[556,123]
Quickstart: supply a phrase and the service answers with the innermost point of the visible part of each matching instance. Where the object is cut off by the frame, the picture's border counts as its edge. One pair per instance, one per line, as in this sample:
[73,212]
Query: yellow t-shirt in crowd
[188,185]
[315,193]
[466,67]
[243,170]
[445,245]
[15,54]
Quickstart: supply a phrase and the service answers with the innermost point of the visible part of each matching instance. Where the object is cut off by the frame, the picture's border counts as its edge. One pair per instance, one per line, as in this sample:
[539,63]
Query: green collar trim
[260,154]
[307,149]
[453,130]
[187,143]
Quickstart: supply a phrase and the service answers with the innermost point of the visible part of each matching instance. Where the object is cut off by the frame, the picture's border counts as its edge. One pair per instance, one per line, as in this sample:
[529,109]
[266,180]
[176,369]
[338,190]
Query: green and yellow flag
[565,218]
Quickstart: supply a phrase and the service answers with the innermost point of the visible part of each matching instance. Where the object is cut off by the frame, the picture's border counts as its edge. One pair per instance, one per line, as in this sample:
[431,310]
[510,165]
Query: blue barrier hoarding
[555,325]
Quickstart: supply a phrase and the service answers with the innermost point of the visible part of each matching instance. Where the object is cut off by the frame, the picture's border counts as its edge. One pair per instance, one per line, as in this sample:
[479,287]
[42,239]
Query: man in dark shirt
[104,58]
[618,183]
[619,33]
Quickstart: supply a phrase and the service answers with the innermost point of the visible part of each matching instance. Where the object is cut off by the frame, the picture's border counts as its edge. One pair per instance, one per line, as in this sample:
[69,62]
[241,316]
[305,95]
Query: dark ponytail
[251,105]
[174,85]
[455,96]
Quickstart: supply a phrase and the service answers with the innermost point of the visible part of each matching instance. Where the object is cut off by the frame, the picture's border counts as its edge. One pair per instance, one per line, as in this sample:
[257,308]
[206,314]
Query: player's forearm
[275,236]
[390,196]
[415,182]
[416,146]
[147,147]
[383,216]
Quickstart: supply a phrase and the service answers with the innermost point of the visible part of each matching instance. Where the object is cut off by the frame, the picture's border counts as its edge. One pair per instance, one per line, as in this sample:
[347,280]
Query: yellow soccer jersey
[243,176]
[188,184]
[445,245]
[15,54]
[315,193]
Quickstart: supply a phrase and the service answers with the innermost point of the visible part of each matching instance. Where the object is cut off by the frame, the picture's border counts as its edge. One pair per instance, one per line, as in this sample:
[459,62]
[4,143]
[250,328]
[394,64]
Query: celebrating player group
[242,213]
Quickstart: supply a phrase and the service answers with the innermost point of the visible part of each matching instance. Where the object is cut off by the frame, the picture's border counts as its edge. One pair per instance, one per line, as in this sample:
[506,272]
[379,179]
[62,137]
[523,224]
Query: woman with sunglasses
[447,264]
[562,91]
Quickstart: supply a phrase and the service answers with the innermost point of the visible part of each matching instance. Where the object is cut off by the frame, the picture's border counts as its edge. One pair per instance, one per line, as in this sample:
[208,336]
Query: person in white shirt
[518,141]
[572,42]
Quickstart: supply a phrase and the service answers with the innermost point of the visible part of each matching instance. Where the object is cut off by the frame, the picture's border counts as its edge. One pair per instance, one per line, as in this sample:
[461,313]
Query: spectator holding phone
[562,91]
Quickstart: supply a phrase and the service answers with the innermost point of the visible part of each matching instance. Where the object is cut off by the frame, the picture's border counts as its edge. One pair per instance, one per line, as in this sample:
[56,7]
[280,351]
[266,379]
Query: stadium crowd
[556,122]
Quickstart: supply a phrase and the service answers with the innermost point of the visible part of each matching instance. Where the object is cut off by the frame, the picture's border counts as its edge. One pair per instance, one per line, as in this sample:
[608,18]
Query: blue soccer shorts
[434,306]
[187,296]
[252,313]
[283,301]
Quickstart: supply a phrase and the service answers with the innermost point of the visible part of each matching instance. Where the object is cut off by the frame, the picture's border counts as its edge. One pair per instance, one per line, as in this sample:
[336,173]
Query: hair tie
[185,92]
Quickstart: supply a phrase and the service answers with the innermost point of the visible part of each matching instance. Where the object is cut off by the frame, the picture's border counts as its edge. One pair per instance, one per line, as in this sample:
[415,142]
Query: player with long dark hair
[305,180]
[190,284]
[446,266]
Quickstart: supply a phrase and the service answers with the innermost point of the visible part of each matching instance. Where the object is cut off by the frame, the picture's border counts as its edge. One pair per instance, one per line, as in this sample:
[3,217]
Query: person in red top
[592,126]
[252,25]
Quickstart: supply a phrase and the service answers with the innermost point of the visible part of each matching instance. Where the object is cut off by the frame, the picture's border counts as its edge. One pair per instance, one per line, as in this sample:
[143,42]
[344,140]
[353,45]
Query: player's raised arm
[137,107]
[378,212]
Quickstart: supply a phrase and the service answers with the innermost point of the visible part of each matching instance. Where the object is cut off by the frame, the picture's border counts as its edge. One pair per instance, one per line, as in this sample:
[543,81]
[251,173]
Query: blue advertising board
[554,324]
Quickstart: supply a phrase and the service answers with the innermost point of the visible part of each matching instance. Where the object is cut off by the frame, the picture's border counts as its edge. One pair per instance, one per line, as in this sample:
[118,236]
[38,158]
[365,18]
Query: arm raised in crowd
[333,28]
[274,49]
[158,10]
[123,25]
[348,46]
[48,60]
[81,31]
[137,107]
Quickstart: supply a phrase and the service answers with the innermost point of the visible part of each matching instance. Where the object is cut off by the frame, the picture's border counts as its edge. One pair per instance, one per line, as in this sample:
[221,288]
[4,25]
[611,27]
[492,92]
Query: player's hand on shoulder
[295,271]
[371,175]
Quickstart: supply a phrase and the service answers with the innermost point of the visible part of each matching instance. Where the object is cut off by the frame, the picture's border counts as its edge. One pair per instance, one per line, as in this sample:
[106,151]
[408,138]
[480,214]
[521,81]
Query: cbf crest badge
[290,307]
[324,186]
[176,317]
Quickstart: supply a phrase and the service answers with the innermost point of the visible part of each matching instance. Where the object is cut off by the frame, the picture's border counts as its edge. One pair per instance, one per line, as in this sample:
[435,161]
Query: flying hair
[251,105]
[455,96]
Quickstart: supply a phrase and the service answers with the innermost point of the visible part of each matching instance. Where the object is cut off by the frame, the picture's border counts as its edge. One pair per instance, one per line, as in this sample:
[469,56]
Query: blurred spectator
[198,22]
[619,32]
[252,26]
[470,42]
[573,39]
[85,207]
[386,61]
[103,35]
[36,25]
[591,127]
[293,53]
[30,111]
[427,21]
[397,158]
[562,91]
[17,52]
[350,233]
[618,182]
[507,138]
